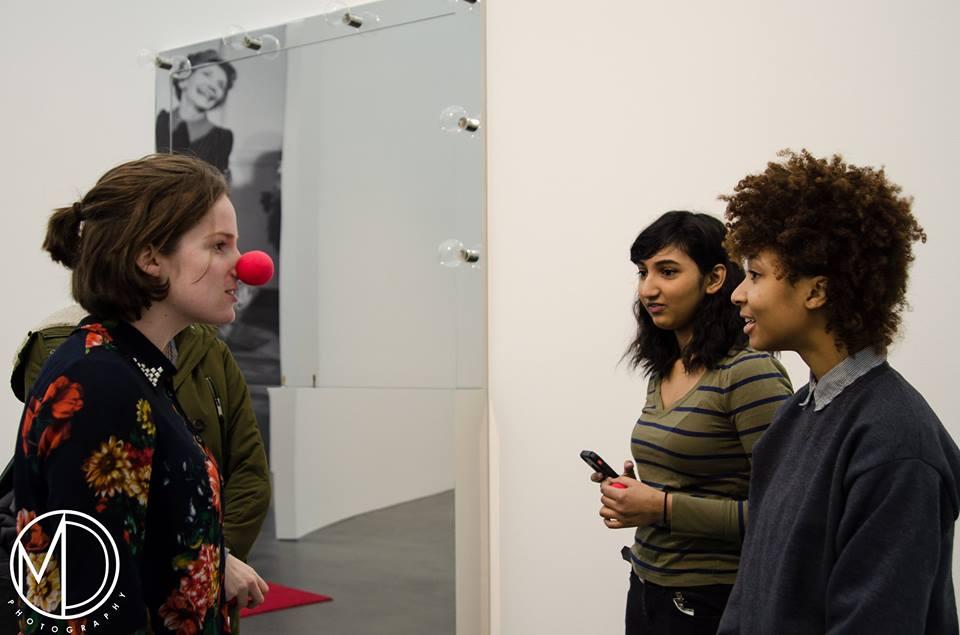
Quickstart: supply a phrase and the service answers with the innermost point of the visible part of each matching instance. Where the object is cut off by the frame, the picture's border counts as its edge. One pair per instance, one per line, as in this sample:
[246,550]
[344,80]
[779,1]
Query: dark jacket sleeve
[247,492]
[890,552]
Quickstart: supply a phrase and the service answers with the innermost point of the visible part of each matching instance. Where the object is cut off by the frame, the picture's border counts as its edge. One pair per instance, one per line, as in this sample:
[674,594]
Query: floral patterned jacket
[102,434]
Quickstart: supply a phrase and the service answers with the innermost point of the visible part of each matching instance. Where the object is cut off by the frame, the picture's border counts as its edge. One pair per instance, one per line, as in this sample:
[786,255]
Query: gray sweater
[852,517]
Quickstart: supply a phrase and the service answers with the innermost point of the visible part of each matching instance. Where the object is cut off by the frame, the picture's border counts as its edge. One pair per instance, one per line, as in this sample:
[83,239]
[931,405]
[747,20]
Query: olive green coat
[211,389]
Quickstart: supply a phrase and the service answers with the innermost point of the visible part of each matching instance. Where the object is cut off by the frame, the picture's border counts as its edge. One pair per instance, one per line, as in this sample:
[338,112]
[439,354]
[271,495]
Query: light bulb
[238,39]
[333,13]
[453,254]
[352,20]
[269,46]
[367,19]
[234,37]
[449,252]
[341,17]
[454,120]
[180,68]
[472,257]
[147,58]
[469,4]
[178,65]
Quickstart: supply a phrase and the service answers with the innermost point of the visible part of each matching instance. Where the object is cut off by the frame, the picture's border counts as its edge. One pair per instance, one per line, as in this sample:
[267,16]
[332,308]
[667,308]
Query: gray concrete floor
[390,572]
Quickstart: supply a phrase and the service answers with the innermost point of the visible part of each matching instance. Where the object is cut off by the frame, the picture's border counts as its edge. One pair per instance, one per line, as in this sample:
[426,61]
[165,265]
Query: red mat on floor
[283,597]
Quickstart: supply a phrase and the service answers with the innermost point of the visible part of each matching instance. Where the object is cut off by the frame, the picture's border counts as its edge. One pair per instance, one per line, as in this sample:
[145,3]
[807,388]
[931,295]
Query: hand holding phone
[599,465]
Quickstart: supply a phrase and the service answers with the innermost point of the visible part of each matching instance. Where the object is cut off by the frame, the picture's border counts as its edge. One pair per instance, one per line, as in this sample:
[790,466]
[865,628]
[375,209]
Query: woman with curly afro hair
[855,487]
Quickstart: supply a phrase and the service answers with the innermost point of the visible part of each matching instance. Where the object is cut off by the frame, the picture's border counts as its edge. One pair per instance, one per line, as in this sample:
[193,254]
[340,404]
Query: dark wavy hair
[847,223]
[717,325]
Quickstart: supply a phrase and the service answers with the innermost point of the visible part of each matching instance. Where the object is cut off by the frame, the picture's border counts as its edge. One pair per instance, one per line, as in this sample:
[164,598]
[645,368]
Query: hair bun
[63,234]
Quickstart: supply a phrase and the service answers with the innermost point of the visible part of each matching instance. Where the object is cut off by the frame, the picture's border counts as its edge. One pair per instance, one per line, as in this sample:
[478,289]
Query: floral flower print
[108,470]
[52,436]
[45,593]
[141,466]
[201,585]
[199,591]
[24,518]
[213,473]
[179,615]
[65,398]
[145,418]
[62,400]
[97,335]
[38,539]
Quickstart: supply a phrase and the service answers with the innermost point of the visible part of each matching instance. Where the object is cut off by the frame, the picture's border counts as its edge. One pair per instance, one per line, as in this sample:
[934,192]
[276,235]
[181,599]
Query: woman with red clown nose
[153,252]
[214,395]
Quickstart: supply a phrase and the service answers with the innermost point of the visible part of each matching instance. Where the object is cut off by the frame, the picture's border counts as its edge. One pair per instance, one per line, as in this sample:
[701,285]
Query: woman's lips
[655,308]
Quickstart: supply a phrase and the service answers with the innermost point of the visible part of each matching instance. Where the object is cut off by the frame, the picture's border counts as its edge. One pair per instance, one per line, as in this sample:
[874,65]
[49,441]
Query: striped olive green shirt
[700,450]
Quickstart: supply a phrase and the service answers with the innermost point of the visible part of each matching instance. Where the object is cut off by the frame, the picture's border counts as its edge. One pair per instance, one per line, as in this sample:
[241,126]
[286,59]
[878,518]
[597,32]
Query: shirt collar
[146,357]
[838,378]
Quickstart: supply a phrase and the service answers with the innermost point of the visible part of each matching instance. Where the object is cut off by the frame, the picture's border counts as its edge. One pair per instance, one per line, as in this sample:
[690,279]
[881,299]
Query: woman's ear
[715,279]
[816,293]
[148,262]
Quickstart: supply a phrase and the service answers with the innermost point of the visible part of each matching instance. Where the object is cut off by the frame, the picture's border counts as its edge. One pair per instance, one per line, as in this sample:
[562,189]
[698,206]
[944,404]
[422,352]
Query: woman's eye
[642,274]
[669,272]
[220,245]
[753,275]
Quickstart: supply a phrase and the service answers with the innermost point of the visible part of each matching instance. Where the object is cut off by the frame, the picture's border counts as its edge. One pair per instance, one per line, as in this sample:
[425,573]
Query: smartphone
[599,465]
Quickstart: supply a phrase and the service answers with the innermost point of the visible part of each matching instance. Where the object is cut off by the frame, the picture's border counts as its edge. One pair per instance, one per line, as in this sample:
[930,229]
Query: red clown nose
[255,268]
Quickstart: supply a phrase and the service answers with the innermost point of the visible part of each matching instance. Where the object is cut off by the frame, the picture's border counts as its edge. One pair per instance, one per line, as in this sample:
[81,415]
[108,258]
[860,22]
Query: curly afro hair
[847,223]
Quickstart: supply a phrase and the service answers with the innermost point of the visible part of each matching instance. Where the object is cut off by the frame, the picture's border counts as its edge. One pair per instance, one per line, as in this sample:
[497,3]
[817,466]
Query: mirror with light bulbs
[353,145]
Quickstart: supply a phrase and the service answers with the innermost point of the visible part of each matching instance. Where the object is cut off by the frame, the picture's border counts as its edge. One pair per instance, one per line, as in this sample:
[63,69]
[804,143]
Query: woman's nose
[648,289]
[739,295]
[236,258]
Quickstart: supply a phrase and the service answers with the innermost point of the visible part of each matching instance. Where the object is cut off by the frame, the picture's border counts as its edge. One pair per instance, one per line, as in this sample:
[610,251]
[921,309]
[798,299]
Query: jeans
[657,610]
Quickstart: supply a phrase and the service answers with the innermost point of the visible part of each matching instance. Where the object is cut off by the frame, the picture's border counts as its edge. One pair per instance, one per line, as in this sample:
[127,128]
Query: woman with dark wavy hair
[708,400]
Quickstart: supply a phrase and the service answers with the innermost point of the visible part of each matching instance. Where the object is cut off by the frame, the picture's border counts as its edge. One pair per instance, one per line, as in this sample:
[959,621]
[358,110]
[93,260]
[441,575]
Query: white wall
[601,117]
